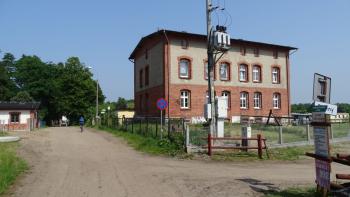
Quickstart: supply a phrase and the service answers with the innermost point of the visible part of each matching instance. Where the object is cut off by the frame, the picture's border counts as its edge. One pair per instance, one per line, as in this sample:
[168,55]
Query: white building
[18,116]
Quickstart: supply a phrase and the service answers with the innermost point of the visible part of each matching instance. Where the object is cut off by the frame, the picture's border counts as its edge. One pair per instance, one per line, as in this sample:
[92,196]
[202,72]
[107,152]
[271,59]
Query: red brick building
[253,76]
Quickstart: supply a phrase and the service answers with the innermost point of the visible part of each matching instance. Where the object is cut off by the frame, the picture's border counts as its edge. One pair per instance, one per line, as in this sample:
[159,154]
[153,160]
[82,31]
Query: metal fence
[275,135]
[195,135]
[148,126]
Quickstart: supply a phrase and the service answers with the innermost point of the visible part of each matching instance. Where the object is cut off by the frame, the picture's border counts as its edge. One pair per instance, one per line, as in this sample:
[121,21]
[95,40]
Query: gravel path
[65,162]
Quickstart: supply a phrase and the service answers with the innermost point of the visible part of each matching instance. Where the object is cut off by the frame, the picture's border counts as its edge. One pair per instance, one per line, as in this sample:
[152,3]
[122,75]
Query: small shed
[19,116]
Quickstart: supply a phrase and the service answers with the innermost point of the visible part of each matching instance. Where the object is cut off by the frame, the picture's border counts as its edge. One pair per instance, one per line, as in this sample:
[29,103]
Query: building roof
[19,105]
[204,37]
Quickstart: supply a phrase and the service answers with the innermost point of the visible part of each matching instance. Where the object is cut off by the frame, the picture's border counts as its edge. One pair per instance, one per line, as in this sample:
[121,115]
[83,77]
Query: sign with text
[321,140]
[325,107]
[323,173]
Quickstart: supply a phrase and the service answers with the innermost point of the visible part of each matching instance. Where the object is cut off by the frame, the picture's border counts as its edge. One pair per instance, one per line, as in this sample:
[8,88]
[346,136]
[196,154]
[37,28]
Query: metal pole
[161,124]
[212,119]
[280,135]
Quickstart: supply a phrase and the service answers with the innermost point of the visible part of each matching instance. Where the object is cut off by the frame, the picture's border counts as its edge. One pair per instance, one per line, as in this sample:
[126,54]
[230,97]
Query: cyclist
[81,123]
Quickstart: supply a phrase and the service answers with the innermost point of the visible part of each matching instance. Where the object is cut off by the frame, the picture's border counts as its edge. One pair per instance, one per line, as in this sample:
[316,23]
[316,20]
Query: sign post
[321,124]
[161,105]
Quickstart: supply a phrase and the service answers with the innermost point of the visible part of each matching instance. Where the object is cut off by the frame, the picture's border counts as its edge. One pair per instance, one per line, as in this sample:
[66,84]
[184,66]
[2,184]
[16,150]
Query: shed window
[14,117]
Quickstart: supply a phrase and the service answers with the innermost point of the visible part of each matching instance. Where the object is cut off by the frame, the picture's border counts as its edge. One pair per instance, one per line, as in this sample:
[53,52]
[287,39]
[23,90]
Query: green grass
[10,165]
[294,192]
[3,133]
[280,154]
[151,145]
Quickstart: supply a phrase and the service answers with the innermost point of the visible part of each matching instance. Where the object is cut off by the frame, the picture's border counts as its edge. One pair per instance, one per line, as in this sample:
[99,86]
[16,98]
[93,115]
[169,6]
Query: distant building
[16,116]
[301,118]
[253,76]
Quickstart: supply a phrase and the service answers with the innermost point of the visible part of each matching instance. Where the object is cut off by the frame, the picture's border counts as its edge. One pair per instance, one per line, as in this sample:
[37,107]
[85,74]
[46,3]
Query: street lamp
[90,68]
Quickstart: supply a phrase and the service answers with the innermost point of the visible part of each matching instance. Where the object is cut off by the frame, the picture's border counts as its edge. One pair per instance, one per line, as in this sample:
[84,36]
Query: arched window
[244,100]
[257,100]
[224,71]
[184,68]
[227,96]
[256,73]
[276,98]
[275,75]
[185,99]
[243,72]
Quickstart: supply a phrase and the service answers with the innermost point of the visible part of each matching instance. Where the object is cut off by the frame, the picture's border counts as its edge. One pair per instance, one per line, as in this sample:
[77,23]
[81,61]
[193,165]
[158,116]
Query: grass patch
[3,133]
[294,192]
[151,145]
[10,165]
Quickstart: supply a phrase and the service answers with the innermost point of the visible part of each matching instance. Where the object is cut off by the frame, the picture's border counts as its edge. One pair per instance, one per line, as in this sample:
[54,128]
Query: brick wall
[150,108]
[198,98]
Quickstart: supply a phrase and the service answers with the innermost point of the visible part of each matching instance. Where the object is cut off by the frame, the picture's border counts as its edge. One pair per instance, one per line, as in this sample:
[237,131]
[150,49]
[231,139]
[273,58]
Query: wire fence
[149,126]
[195,135]
[275,135]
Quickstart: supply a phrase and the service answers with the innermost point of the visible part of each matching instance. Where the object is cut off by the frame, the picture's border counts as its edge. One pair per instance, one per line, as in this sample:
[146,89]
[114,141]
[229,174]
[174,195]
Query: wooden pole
[259,146]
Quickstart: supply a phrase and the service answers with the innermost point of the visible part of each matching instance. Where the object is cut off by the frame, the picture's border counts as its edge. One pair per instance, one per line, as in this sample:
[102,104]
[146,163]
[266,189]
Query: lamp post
[96,116]
[108,115]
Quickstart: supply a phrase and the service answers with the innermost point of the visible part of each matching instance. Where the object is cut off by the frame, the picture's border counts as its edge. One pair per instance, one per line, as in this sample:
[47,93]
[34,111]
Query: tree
[121,104]
[77,88]
[7,86]
[343,107]
[302,108]
[22,96]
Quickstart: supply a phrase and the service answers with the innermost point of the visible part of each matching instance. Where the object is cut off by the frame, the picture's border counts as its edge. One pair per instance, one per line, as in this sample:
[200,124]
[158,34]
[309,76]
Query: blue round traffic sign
[162,104]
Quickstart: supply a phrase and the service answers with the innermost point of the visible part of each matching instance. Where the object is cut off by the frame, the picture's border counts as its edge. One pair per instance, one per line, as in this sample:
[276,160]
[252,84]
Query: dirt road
[65,162]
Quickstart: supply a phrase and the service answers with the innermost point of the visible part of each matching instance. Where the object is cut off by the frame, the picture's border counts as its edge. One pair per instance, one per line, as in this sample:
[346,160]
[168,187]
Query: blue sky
[103,33]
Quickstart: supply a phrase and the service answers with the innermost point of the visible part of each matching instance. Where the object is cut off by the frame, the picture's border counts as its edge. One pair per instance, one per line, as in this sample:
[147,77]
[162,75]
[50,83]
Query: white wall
[5,115]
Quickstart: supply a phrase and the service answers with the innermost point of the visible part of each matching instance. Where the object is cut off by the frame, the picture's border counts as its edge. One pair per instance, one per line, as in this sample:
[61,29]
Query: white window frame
[257,100]
[244,100]
[276,100]
[275,74]
[243,75]
[226,66]
[185,99]
[256,73]
[206,70]
[226,95]
[181,65]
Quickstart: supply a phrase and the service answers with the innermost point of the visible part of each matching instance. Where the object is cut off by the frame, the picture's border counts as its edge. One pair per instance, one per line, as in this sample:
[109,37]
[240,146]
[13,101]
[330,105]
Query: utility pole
[97,100]
[218,42]
[210,51]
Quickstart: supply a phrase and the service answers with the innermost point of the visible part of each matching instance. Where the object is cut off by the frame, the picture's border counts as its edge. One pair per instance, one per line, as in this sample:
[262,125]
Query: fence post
[259,146]
[187,138]
[132,125]
[280,135]
[169,132]
[140,131]
[209,144]
[156,128]
[308,132]
[146,126]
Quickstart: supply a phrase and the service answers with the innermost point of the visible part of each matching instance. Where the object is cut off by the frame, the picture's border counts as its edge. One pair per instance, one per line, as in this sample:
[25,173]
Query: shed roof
[19,105]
